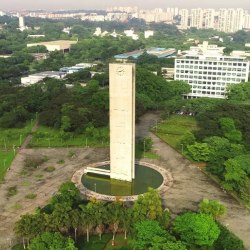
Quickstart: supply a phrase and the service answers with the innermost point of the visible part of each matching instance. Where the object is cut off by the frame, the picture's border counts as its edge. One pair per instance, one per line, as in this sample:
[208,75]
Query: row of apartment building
[225,20]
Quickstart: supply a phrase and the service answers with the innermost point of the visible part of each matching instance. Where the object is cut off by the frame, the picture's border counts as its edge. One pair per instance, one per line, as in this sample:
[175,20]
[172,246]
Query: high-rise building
[21,23]
[184,14]
[209,17]
[209,72]
[196,18]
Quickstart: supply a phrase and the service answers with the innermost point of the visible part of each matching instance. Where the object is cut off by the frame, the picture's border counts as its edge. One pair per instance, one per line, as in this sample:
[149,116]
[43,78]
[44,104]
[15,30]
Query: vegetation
[99,225]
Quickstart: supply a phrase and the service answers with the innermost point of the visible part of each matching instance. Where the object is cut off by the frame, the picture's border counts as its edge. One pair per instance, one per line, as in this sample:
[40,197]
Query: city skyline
[94,4]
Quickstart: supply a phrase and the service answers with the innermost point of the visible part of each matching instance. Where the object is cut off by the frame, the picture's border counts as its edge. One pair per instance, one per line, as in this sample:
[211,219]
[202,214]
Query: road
[191,185]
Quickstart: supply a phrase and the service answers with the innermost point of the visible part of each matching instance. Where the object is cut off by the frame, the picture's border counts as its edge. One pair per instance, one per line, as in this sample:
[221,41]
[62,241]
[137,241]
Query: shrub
[49,169]
[32,163]
[12,191]
[31,196]
[227,240]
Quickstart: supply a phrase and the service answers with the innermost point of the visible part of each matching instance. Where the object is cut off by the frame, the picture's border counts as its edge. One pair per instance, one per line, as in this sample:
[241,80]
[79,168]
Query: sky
[103,4]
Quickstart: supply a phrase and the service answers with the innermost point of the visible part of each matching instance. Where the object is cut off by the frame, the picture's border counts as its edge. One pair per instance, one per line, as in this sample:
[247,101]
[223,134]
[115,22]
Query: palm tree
[100,215]
[29,226]
[126,220]
[75,221]
[87,217]
[115,212]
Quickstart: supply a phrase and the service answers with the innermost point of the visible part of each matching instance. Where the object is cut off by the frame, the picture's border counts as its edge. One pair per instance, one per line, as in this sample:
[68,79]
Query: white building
[209,73]
[209,17]
[196,18]
[148,33]
[22,26]
[98,31]
[35,78]
[184,14]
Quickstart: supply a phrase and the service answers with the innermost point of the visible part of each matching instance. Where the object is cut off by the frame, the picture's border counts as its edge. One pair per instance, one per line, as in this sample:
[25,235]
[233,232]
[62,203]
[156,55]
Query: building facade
[209,74]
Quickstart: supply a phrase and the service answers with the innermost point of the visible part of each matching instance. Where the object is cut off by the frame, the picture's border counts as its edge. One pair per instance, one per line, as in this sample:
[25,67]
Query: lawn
[6,157]
[119,242]
[173,129]
[10,140]
[94,242]
[49,137]
[14,136]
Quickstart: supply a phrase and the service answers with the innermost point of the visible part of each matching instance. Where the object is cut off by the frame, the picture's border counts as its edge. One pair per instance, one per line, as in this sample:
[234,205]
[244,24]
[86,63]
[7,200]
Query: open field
[14,136]
[46,137]
[6,157]
[175,128]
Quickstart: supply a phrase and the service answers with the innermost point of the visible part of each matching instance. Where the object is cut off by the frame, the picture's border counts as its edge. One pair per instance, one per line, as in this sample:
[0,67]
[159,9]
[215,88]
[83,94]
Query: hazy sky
[102,4]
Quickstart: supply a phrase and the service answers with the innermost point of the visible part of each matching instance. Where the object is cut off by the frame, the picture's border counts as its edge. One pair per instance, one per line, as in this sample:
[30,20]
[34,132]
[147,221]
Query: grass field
[49,137]
[14,136]
[11,139]
[173,129]
[5,161]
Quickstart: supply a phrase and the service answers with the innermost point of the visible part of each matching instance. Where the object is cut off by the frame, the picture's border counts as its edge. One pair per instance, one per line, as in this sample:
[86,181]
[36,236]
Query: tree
[147,233]
[235,177]
[196,229]
[214,208]
[53,241]
[29,226]
[67,193]
[126,220]
[199,151]
[115,213]
[170,245]
[229,130]
[87,215]
[228,241]
[148,206]
[74,220]
[60,217]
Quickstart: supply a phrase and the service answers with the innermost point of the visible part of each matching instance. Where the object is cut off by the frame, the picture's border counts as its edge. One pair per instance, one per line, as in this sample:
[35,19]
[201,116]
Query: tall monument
[122,121]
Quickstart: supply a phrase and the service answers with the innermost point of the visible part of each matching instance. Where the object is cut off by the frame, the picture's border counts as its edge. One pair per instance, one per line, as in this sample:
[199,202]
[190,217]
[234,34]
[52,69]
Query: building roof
[159,52]
[63,44]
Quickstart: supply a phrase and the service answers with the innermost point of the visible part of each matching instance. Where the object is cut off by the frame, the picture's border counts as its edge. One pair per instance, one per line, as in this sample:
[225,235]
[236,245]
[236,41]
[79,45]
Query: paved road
[191,185]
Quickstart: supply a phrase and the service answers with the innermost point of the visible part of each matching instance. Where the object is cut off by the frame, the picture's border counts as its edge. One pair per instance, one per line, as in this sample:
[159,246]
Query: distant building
[159,52]
[77,67]
[148,33]
[167,73]
[63,45]
[35,78]
[22,26]
[209,72]
[36,36]
[98,31]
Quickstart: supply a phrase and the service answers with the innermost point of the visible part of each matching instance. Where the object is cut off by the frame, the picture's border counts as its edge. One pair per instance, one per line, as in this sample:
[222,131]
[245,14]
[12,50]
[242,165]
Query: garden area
[68,222]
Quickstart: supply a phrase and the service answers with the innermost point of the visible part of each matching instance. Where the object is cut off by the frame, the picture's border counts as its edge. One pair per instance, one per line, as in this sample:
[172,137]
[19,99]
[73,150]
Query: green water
[144,178]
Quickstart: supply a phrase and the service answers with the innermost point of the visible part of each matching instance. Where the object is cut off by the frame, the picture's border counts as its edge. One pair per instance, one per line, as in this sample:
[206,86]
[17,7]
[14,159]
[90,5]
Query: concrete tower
[122,121]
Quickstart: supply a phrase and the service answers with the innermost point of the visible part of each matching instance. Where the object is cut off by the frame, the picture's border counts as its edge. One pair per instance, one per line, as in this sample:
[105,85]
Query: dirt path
[39,182]
[191,185]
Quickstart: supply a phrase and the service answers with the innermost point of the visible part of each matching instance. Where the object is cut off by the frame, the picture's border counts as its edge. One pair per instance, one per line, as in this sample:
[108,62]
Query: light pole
[144,147]
[86,142]
[4,141]
[14,150]
[95,187]
[181,148]
[20,139]
[156,125]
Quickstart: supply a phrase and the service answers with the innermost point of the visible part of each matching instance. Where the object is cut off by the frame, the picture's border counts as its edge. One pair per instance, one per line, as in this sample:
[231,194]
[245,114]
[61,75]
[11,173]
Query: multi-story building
[209,73]
[209,16]
[196,18]
[184,14]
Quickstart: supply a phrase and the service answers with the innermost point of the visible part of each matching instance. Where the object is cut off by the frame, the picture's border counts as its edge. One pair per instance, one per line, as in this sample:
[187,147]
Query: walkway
[191,185]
